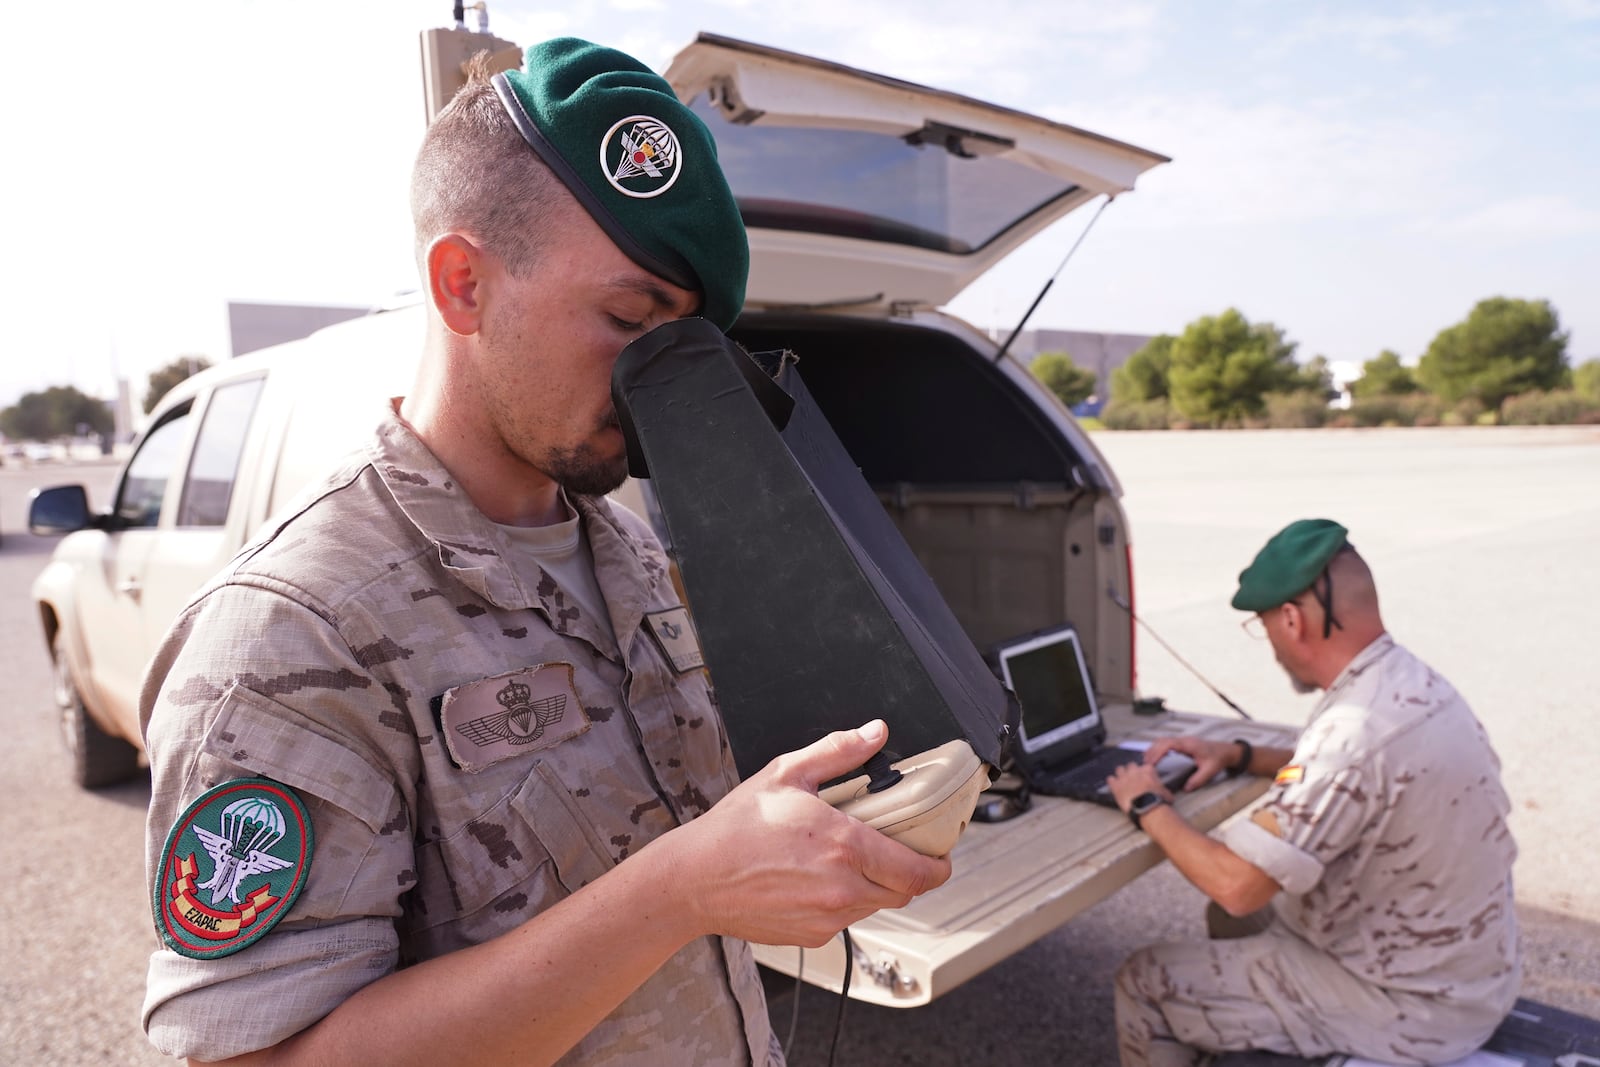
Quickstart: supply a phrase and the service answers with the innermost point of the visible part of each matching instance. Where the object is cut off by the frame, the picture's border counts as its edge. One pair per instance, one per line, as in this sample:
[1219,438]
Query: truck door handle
[131,587]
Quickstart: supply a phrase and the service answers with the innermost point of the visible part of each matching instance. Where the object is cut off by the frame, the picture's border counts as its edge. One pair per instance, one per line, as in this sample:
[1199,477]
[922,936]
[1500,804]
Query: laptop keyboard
[1091,774]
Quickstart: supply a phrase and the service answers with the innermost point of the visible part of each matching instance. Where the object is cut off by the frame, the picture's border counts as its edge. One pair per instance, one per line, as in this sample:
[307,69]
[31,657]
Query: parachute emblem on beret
[640,157]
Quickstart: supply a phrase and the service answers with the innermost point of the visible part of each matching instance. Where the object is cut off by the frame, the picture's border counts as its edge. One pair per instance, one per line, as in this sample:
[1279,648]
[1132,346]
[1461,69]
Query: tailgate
[1016,881]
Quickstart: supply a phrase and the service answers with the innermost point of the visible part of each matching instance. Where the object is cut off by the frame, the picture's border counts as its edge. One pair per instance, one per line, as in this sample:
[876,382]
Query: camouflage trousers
[1175,1003]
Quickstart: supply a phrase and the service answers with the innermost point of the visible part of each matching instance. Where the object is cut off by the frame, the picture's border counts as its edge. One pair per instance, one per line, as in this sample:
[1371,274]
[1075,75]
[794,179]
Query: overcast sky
[1359,174]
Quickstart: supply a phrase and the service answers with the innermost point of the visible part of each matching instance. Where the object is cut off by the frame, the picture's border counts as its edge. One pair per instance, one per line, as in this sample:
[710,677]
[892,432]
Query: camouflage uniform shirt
[470,746]
[1395,857]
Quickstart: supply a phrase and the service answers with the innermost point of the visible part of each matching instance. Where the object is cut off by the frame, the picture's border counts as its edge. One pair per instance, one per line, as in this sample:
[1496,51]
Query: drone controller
[927,806]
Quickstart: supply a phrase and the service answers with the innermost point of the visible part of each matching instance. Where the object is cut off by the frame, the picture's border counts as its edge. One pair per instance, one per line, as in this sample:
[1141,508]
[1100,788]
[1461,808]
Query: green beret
[1288,564]
[640,162]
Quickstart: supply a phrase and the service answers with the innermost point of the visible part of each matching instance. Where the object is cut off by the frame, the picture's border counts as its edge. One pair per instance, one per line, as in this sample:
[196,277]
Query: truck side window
[215,463]
[139,498]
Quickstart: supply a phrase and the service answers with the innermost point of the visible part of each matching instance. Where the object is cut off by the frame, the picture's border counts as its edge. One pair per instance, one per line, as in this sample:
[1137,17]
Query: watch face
[1144,802]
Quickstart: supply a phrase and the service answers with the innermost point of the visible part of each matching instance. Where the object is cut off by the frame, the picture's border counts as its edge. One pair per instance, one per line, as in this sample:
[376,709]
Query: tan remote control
[930,805]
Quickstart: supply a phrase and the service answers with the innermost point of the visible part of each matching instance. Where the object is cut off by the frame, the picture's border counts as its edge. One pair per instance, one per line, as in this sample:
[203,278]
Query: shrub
[1415,409]
[1586,380]
[1296,411]
[1470,411]
[1559,407]
[1137,415]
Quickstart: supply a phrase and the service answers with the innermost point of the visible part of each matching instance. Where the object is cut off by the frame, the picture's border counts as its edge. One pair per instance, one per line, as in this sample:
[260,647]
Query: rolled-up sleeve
[340,934]
[1285,864]
[1320,802]
[214,1009]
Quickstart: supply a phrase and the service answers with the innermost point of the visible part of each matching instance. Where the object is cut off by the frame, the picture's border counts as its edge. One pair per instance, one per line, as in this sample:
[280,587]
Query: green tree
[1314,376]
[1072,383]
[162,381]
[60,411]
[1504,347]
[1223,366]
[1384,376]
[1144,375]
[1586,380]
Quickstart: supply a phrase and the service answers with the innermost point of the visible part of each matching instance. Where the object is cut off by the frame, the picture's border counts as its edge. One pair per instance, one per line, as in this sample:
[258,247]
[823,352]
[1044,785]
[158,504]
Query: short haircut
[474,174]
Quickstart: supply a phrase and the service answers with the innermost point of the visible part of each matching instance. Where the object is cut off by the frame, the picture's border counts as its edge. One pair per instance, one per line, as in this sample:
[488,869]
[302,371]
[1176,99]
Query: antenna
[1026,315]
[1122,602]
[445,53]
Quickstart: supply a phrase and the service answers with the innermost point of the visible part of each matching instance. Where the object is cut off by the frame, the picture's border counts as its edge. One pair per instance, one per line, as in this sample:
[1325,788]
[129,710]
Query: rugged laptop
[1060,749]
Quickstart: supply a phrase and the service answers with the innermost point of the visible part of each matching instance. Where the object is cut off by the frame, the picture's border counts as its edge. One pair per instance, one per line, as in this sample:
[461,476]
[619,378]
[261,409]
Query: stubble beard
[583,470]
[1298,684]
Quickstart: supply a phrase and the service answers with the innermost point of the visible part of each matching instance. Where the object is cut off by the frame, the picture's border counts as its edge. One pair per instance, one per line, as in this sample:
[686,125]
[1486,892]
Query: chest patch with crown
[511,714]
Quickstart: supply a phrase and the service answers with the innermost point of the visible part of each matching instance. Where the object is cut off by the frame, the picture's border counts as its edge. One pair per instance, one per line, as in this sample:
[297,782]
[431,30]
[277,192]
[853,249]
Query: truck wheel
[98,759]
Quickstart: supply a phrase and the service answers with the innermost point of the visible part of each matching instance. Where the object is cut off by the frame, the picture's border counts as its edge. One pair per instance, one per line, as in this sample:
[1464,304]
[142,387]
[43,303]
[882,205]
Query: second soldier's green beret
[639,161]
[1288,563]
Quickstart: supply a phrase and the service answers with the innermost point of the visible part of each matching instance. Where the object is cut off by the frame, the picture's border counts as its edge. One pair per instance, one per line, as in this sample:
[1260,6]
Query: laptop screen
[1051,681]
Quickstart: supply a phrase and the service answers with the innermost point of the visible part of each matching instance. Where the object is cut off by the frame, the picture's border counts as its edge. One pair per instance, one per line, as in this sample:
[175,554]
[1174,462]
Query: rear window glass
[875,186]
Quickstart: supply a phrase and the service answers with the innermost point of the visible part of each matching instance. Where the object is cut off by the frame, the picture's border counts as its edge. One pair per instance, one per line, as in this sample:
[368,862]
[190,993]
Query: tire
[98,759]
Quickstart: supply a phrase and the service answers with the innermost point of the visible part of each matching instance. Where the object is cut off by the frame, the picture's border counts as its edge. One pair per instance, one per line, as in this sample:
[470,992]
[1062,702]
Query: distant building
[1102,353]
[256,326]
[1343,373]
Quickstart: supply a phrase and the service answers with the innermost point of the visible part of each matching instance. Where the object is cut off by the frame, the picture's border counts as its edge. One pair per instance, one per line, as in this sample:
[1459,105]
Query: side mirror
[58,510]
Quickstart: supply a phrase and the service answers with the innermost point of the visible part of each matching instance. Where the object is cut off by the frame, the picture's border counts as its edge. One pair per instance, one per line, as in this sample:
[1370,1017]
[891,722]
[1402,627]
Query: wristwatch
[1142,804]
[1247,755]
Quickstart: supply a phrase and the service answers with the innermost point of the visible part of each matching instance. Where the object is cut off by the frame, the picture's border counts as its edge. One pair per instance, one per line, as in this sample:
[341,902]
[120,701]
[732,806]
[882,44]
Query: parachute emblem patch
[231,867]
[640,157]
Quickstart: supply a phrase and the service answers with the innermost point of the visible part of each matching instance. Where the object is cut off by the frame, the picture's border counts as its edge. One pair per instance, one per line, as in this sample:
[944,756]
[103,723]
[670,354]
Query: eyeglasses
[1256,625]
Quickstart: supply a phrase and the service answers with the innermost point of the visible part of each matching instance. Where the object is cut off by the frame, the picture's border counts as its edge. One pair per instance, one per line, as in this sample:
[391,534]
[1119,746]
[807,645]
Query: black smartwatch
[1247,755]
[1142,804]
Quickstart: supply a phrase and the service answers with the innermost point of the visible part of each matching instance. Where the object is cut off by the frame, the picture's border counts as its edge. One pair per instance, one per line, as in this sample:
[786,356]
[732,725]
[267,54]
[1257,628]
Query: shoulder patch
[231,867]
[1290,774]
[1267,819]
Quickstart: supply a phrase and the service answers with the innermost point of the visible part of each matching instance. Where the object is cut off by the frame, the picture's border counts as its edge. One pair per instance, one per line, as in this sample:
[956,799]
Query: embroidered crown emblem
[513,694]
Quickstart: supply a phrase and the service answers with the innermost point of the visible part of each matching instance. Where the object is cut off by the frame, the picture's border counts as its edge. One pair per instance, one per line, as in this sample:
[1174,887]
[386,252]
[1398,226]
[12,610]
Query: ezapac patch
[231,867]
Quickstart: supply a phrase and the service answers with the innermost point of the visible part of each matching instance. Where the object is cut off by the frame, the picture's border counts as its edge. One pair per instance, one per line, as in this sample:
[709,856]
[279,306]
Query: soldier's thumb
[841,752]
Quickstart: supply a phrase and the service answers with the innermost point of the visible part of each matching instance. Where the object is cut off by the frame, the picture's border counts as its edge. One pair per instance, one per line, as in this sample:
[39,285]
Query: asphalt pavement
[1483,542]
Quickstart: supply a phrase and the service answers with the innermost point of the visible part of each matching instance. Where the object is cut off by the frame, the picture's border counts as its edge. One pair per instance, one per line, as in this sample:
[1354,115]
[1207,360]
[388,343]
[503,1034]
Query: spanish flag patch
[1290,774]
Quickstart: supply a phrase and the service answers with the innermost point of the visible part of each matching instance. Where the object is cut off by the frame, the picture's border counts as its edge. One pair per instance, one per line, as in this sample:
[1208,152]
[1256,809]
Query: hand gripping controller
[930,804]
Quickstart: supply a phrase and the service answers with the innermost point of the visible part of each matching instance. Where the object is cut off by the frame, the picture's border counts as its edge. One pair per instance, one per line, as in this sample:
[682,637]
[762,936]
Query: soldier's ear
[455,282]
[1294,620]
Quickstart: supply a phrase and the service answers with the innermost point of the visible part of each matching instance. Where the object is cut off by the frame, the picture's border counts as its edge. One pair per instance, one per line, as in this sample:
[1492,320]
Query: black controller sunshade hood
[812,612]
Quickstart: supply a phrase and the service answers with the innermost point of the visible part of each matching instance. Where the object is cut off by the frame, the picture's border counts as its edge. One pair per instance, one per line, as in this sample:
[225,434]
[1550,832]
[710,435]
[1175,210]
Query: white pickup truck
[870,203]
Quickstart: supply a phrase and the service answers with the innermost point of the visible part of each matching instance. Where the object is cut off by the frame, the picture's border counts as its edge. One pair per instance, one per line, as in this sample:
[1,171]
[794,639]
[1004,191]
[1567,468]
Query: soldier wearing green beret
[1366,906]
[437,774]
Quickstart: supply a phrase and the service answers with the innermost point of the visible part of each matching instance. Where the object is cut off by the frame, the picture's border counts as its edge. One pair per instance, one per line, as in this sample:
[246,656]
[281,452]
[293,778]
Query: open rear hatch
[860,189]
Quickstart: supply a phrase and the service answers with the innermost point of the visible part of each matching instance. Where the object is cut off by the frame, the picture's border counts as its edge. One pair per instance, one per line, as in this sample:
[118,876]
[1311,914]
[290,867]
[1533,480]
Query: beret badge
[640,157]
